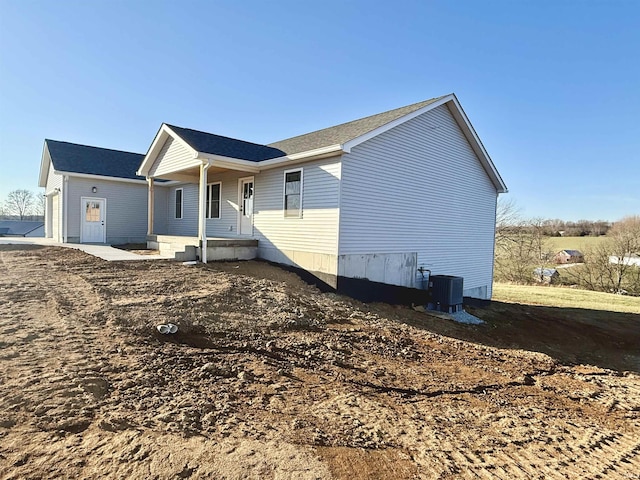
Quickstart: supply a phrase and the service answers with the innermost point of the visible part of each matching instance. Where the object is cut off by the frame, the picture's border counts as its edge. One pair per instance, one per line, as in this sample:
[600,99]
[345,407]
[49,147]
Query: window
[212,208]
[293,193]
[93,212]
[178,203]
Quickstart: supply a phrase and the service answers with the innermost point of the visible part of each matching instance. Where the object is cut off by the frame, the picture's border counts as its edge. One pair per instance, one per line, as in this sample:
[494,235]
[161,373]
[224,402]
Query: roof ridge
[92,146]
[386,112]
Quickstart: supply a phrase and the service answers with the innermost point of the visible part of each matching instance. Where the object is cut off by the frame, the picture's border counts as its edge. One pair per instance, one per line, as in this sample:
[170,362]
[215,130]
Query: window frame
[284,192]
[207,206]
[175,204]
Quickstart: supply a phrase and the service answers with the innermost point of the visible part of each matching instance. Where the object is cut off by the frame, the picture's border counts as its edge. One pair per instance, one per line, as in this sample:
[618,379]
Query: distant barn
[569,256]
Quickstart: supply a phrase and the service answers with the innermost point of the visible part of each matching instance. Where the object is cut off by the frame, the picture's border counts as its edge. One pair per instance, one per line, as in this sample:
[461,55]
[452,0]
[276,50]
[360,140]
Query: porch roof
[204,142]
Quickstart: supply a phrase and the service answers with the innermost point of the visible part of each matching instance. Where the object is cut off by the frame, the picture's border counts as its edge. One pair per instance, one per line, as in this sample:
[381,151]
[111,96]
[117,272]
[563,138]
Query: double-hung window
[293,193]
[212,208]
[178,210]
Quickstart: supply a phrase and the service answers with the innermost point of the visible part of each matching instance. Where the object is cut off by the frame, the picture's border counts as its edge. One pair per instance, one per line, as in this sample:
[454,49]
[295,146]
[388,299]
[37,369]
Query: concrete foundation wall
[391,268]
[321,265]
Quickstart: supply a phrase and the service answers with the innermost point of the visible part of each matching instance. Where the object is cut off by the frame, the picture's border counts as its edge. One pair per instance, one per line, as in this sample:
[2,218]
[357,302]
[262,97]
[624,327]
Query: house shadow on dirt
[608,340]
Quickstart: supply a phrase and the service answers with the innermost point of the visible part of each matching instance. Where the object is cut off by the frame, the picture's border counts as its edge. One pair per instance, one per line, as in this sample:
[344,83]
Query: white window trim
[208,213]
[181,204]
[284,190]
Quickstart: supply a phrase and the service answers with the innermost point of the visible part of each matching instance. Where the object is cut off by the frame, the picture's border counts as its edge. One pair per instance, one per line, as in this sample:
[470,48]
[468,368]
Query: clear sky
[551,87]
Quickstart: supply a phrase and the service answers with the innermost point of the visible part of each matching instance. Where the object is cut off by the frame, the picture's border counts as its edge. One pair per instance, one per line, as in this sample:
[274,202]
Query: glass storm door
[93,220]
[246,206]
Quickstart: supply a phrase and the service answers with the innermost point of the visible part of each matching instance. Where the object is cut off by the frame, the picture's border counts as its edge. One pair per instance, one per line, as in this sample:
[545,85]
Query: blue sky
[552,88]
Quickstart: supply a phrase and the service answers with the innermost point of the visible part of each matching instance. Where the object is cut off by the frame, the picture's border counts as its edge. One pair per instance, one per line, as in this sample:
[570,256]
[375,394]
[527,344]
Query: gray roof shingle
[227,147]
[344,132]
[17,227]
[74,158]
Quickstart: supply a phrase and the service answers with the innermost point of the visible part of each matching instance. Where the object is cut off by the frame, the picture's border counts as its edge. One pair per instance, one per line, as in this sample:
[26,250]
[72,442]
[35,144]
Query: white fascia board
[158,142]
[256,167]
[45,165]
[398,121]
[229,162]
[317,153]
[476,145]
[101,177]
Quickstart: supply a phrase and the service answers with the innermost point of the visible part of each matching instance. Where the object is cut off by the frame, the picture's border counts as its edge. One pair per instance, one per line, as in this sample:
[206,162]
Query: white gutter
[273,162]
[100,177]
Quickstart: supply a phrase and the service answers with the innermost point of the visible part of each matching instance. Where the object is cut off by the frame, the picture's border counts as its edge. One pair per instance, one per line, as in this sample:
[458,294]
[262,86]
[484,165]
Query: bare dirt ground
[270,378]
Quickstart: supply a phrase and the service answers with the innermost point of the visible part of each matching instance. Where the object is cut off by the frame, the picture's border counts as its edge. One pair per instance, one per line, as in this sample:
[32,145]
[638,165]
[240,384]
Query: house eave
[45,165]
[100,177]
[229,162]
[314,154]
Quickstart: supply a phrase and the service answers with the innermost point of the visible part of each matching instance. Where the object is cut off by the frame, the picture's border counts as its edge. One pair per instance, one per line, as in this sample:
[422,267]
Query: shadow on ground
[570,335]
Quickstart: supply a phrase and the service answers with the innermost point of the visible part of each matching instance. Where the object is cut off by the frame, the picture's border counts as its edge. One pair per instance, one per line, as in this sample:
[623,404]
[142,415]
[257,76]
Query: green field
[584,244]
[565,297]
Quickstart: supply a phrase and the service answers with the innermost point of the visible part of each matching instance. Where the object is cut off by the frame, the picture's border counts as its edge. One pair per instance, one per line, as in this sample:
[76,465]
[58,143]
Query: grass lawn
[584,244]
[565,297]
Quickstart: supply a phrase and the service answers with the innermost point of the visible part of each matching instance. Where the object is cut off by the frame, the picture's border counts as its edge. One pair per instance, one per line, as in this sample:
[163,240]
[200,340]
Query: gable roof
[573,253]
[74,158]
[225,146]
[237,154]
[341,134]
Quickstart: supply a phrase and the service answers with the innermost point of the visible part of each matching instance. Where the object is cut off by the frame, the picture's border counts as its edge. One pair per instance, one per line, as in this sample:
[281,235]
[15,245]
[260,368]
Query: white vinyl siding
[420,188]
[317,230]
[173,157]
[54,181]
[188,224]
[126,220]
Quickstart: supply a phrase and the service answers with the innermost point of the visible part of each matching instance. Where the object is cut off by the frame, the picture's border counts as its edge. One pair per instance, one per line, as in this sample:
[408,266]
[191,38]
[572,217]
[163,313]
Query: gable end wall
[172,157]
[414,196]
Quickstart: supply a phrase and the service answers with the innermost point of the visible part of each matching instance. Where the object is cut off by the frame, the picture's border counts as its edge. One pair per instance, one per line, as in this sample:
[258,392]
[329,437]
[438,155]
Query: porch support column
[202,223]
[150,203]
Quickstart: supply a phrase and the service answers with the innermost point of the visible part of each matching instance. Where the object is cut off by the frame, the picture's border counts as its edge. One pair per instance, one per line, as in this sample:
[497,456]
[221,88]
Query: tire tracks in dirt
[53,381]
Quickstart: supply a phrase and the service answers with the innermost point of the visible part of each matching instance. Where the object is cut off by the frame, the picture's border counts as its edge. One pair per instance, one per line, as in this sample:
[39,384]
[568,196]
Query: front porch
[204,194]
[187,248]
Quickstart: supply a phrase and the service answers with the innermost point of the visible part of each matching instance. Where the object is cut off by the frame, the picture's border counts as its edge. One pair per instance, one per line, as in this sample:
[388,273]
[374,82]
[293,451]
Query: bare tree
[608,266]
[19,202]
[40,204]
[520,248]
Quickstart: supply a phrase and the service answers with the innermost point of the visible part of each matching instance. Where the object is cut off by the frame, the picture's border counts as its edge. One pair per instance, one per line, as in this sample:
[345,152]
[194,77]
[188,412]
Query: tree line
[523,252]
[22,204]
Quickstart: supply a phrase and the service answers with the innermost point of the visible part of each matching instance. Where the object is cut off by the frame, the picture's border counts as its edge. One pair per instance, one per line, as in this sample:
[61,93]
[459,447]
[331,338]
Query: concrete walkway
[106,252]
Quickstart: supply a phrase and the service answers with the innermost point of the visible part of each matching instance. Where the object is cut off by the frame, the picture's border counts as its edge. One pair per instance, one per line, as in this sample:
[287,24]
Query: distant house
[546,275]
[626,260]
[93,194]
[25,228]
[569,256]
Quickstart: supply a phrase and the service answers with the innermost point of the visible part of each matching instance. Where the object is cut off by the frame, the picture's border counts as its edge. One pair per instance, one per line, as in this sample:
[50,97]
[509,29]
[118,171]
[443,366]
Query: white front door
[245,187]
[93,229]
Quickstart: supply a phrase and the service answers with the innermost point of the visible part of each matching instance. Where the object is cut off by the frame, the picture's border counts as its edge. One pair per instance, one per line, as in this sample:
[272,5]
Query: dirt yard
[267,378]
